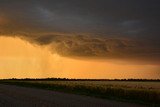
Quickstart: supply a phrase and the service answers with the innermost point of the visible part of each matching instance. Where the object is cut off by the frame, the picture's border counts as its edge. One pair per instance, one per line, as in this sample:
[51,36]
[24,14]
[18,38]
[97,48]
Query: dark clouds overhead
[86,27]
[123,17]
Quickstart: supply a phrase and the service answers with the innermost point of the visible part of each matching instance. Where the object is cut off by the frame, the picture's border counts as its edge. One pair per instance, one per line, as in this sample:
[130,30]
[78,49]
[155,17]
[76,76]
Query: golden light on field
[21,59]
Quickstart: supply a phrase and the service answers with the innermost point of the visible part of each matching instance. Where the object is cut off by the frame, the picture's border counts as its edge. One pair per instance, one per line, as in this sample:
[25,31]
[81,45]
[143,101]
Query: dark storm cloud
[114,28]
[126,17]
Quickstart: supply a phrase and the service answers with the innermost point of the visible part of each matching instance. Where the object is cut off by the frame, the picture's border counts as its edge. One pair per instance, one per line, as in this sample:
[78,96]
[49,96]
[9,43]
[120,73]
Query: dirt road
[15,96]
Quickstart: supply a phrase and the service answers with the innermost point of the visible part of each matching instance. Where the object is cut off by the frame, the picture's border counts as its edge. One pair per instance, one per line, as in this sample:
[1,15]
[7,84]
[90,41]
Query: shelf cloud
[83,28]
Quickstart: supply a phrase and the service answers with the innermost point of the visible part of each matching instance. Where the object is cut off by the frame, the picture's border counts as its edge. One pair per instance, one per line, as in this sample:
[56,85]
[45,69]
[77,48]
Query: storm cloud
[86,28]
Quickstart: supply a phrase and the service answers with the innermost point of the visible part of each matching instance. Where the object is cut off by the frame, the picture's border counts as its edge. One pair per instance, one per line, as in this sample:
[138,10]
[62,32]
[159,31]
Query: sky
[80,39]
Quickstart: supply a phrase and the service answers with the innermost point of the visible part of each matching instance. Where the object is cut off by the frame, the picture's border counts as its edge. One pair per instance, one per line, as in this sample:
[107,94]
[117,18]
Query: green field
[145,92]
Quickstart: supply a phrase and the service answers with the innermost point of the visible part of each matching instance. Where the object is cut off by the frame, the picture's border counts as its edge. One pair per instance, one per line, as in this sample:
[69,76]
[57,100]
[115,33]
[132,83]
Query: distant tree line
[68,79]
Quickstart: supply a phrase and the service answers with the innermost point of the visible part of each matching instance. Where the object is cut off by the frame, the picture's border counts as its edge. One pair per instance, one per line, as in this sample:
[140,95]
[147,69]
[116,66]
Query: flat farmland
[104,84]
[16,96]
[140,92]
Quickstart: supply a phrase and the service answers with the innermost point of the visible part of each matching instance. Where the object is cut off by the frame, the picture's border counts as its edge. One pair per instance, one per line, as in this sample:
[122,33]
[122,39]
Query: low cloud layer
[89,46]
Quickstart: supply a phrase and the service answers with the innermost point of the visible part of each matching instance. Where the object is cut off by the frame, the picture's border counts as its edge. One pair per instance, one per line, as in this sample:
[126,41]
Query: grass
[132,91]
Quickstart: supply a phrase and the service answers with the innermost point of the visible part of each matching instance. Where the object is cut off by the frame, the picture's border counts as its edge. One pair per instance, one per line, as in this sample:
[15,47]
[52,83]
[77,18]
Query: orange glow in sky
[20,59]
